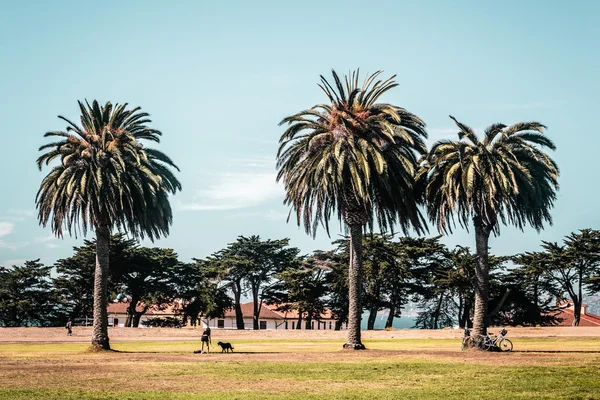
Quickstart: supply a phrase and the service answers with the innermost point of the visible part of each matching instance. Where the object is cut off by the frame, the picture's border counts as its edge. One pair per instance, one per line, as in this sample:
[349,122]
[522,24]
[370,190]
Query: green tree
[261,261]
[147,279]
[106,179]
[229,269]
[199,289]
[505,177]
[533,291]
[572,265]
[75,275]
[302,288]
[357,158]
[26,296]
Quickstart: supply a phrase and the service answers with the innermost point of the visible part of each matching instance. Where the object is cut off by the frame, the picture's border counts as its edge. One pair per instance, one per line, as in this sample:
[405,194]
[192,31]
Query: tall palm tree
[357,158]
[504,177]
[106,180]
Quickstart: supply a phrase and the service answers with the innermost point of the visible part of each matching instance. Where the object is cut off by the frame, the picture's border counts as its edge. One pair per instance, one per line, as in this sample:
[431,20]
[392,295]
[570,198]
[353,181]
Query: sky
[217,77]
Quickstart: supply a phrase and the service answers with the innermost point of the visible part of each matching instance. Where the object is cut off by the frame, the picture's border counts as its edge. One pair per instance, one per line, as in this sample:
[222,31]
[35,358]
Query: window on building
[329,324]
[293,325]
[220,323]
[286,324]
[263,324]
[312,325]
[116,322]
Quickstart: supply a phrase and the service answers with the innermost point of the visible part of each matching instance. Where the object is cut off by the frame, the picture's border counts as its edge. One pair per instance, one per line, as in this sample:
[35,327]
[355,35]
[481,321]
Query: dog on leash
[225,347]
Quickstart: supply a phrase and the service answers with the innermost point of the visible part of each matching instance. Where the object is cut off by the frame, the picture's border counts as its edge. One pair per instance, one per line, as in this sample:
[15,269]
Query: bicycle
[488,343]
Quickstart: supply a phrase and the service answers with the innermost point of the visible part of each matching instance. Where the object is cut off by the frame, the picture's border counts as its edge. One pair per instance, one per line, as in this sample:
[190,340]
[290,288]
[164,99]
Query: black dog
[225,347]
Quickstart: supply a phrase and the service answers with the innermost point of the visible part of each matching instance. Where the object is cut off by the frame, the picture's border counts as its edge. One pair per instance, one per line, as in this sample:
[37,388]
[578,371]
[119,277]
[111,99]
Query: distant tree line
[524,289]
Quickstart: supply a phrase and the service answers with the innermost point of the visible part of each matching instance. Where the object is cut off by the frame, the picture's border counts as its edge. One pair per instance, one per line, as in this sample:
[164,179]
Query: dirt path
[83,334]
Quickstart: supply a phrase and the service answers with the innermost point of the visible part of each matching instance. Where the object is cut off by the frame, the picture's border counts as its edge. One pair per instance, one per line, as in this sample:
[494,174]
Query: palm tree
[106,179]
[504,177]
[355,157]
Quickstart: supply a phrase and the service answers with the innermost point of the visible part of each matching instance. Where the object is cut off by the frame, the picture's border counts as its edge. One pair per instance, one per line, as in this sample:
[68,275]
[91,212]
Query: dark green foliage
[166,322]
[352,155]
[505,176]
[573,266]
[106,177]
[75,280]
[254,263]
[302,287]
[146,279]
[27,298]
[200,291]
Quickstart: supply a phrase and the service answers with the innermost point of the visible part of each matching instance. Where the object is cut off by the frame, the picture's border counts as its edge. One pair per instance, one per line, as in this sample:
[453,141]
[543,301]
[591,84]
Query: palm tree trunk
[100,329]
[482,274]
[354,288]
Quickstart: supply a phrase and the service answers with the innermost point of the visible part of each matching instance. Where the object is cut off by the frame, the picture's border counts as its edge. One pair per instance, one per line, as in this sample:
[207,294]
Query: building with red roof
[566,316]
[270,317]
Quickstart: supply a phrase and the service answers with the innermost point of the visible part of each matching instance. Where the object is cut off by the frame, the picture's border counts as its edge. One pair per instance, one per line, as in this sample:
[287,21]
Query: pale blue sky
[217,77]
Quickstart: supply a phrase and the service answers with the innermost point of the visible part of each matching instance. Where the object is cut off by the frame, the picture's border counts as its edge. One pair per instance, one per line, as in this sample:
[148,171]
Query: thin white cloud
[6,228]
[12,245]
[235,190]
[21,212]
[47,240]
[270,215]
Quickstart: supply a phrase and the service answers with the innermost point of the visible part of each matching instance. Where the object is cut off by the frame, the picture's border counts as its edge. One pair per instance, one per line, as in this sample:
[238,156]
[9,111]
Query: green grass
[407,369]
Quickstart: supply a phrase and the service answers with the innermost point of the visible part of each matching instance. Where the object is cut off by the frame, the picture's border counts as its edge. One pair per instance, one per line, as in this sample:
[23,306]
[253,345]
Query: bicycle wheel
[484,343]
[505,345]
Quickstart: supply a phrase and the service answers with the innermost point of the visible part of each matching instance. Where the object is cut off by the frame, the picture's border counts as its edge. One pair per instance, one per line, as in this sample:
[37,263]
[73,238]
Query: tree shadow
[559,351]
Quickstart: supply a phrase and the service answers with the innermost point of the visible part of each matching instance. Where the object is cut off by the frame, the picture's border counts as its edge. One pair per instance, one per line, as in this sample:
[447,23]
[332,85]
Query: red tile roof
[248,312]
[269,311]
[266,312]
[121,308]
[566,316]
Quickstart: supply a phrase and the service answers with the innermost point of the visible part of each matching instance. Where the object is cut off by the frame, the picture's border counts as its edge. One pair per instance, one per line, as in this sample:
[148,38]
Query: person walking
[205,339]
[69,328]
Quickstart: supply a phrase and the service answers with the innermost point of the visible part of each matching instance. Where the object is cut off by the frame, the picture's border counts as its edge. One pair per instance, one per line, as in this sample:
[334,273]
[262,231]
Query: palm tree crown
[505,176]
[106,177]
[353,155]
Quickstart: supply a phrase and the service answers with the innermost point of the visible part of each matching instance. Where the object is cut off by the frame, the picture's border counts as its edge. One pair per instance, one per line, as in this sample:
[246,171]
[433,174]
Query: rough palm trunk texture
[354,285]
[100,330]
[482,274]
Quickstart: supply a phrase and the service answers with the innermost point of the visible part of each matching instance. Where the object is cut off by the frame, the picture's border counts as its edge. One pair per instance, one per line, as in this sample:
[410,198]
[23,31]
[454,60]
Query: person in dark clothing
[205,339]
[69,328]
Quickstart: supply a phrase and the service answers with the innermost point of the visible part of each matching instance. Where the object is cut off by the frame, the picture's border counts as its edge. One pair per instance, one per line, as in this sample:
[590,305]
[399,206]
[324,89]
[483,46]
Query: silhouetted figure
[205,339]
[69,328]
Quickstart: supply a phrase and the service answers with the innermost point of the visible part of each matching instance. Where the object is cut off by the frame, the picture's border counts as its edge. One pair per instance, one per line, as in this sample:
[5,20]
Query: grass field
[541,368]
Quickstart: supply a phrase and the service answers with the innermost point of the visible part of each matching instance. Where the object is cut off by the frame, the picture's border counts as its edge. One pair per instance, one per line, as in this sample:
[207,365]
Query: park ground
[548,363]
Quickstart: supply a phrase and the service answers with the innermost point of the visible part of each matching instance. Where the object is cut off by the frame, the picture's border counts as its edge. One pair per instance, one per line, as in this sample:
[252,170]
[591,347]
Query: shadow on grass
[559,351]
[199,354]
